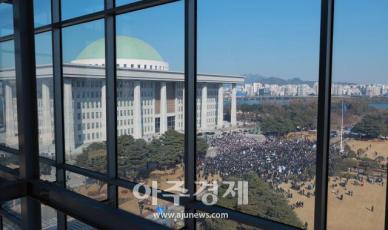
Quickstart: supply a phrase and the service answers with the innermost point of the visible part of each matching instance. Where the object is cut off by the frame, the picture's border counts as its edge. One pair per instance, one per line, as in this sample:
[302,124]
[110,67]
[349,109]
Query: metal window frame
[111,101]
[23,17]
[9,216]
[190,84]
[324,103]
[58,104]
[93,212]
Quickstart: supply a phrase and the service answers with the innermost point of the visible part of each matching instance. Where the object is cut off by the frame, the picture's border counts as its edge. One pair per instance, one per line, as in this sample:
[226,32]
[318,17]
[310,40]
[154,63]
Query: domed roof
[127,48]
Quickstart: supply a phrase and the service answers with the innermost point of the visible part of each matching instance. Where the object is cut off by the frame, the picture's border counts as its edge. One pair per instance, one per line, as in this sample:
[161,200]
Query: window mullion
[58,104]
[27,107]
[110,68]
[190,103]
[324,100]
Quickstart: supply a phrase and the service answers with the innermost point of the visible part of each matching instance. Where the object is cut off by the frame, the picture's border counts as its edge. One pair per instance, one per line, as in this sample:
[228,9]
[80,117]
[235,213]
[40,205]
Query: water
[285,101]
[379,105]
[259,101]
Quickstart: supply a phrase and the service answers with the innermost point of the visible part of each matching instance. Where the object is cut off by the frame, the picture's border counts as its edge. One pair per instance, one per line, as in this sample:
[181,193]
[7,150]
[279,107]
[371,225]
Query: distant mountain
[250,78]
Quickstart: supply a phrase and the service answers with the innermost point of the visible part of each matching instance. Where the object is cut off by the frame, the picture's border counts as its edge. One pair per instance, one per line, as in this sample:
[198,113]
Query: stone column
[103,112]
[177,105]
[45,126]
[163,107]
[68,116]
[184,106]
[233,104]
[204,107]
[220,107]
[137,131]
[9,114]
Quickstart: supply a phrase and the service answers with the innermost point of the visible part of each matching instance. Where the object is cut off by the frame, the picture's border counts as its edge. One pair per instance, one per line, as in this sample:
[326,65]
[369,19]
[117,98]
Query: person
[372,208]
[141,206]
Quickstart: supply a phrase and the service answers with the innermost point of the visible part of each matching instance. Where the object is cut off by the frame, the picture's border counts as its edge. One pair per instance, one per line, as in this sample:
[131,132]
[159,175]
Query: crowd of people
[298,204]
[275,159]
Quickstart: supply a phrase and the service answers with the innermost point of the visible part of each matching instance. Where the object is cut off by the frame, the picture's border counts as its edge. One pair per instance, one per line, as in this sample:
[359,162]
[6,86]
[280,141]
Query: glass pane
[47,172]
[74,224]
[359,116]
[86,186]
[122,2]
[219,221]
[42,12]
[49,217]
[162,212]
[150,109]
[8,106]
[9,160]
[6,19]
[8,225]
[12,206]
[45,94]
[257,106]
[84,95]
[75,8]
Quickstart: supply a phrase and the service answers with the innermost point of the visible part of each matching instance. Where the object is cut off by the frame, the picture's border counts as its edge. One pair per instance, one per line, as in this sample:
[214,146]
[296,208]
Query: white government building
[150,98]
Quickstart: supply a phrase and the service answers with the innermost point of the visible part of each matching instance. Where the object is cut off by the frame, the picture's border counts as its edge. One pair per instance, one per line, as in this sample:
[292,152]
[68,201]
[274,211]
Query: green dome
[127,48]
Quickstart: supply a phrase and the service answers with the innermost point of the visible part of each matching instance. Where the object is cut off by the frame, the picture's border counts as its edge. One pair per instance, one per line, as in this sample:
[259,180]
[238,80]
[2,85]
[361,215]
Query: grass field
[371,148]
[353,212]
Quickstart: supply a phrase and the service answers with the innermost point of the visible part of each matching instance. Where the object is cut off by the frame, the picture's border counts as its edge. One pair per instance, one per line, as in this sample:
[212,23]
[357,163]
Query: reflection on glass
[84,95]
[359,117]
[42,12]
[12,206]
[150,109]
[217,221]
[122,2]
[6,21]
[8,225]
[256,123]
[74,224]
[45,94]
[145,208]
[49,217]
[8,104]
[47,172]
[86,186]
[9,160]
[75,8]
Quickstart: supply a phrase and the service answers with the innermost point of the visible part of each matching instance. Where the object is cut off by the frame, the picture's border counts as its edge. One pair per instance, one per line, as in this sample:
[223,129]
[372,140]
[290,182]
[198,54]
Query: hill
[250,78]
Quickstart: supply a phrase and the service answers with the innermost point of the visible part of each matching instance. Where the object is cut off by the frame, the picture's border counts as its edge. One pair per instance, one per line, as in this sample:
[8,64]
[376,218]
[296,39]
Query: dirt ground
[128,202]
[311,135]
[371,148]
[162,177]
[353,212]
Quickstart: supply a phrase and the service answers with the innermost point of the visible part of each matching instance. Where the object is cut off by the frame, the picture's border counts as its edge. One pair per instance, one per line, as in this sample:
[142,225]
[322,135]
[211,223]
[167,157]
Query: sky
[278,38]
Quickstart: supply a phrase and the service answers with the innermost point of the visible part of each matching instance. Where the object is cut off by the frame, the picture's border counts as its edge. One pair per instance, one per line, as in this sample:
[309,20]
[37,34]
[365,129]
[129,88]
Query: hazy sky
[268,37]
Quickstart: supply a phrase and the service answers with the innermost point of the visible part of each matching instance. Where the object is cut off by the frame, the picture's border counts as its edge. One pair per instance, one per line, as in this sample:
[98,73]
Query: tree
[168,150]
[137,158]
[263,201]
[202,147]
[93,157]
[133,155]
[373,125]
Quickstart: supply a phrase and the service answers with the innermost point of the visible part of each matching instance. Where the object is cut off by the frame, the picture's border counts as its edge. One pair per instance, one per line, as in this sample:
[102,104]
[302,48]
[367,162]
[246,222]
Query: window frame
[99,214]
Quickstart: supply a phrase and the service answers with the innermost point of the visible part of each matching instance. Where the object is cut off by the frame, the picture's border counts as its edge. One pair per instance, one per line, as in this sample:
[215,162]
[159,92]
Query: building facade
[150,98]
